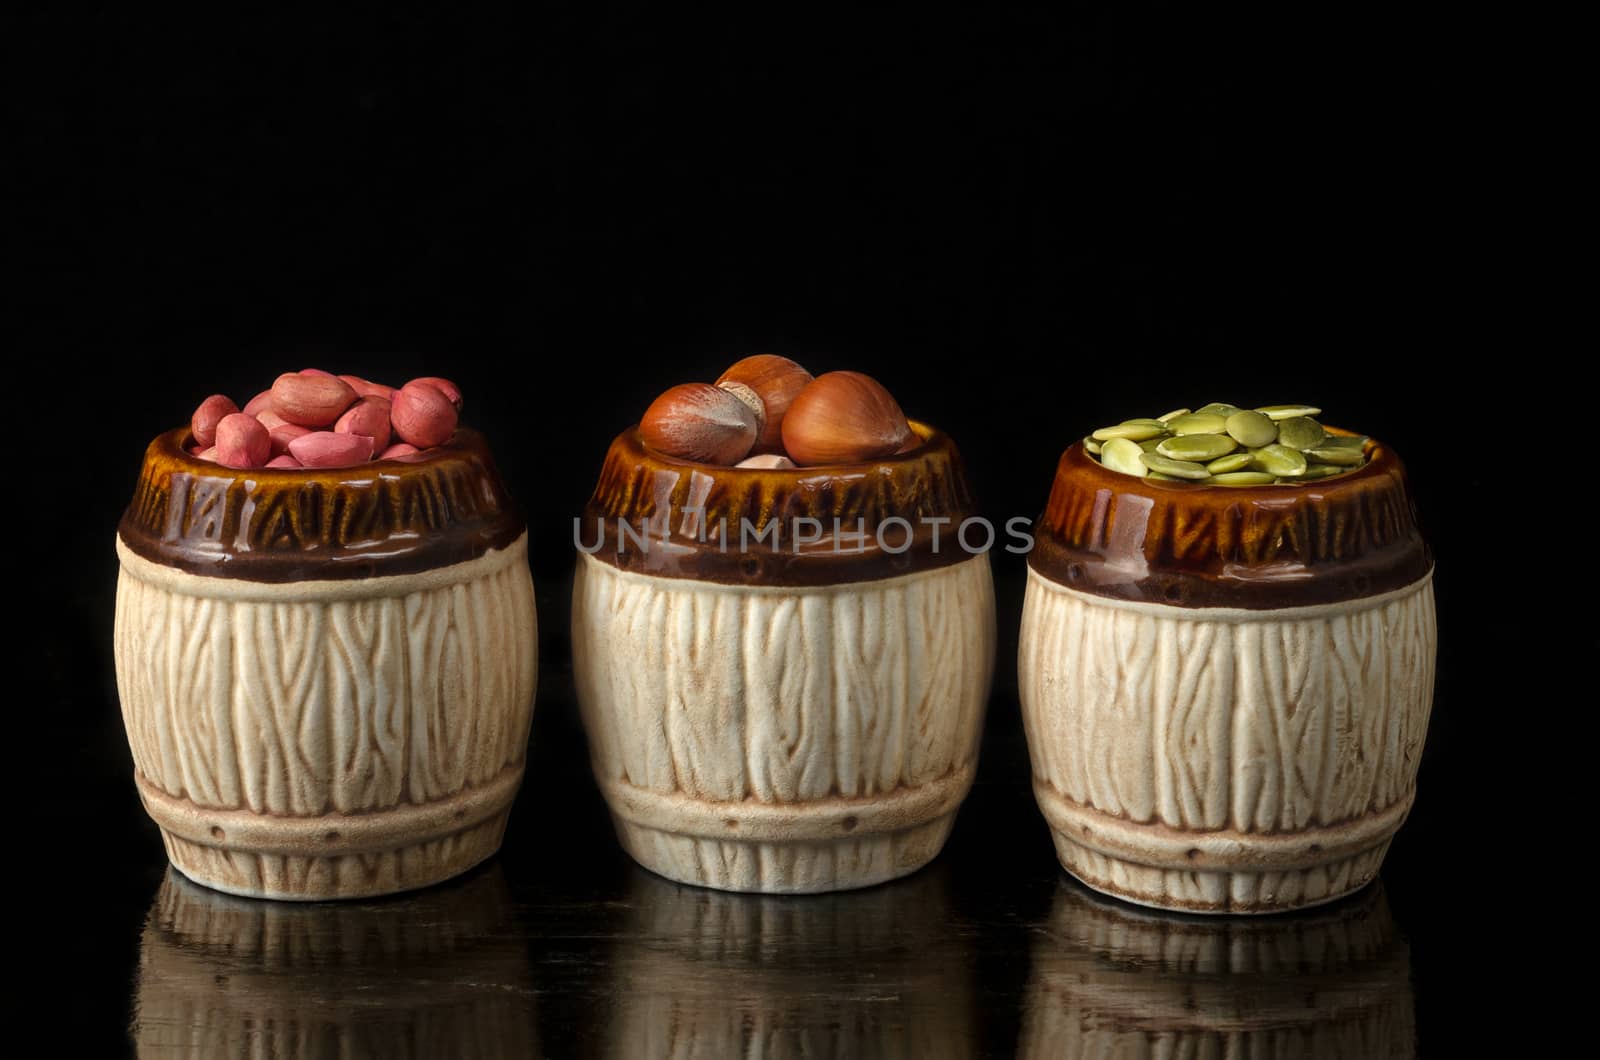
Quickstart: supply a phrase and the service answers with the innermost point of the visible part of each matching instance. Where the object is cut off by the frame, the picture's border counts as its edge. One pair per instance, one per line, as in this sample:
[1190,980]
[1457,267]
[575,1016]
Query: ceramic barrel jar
[326,676]
[797,713]
[1226,689]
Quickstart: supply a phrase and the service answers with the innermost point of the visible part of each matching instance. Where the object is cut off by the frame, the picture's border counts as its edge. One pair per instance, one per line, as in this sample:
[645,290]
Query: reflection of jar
[775,702]
[326,676]
[879,973]
[1112,981]
[440,973]
[1226,689]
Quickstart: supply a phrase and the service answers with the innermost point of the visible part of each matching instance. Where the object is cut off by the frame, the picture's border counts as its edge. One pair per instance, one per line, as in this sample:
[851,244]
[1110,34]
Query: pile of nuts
[1223,445]
[768,412]
[313,418]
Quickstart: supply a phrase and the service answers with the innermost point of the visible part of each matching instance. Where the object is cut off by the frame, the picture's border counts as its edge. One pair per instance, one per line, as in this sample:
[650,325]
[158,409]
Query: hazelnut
[776,380]
[844,418]
[698,421]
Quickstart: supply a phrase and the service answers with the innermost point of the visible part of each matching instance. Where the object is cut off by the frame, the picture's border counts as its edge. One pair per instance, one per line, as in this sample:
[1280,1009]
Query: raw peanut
[242,441]
[317,371]
[327,449]
[400,451]
[443,386]
[285,433]
[367,388]
[208,454]
[258,404]
[311,400]
[270,419]
[369,417]
[284,460]
[423,415]
[203,424]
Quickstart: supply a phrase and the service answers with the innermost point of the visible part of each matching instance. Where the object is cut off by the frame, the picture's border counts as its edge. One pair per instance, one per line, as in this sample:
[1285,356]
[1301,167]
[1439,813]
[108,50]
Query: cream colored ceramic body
[1225,760]
[783,739]
[328,739]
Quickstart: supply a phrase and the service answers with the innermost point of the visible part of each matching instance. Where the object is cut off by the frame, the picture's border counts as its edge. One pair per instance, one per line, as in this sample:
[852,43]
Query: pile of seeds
[1224,445]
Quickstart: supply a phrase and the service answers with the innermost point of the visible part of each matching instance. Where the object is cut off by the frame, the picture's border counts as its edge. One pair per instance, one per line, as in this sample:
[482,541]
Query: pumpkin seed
[1197,447]
[1199,423]
[1137,432]
[1283,412]
[1252,429]
[1228,445]
[1300,432]
[1121,454]
[1185,469]
[1223,465]
[1278,459]
[1342,455]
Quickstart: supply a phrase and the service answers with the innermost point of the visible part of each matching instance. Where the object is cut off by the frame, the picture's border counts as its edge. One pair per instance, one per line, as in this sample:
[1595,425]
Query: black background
[1025,225]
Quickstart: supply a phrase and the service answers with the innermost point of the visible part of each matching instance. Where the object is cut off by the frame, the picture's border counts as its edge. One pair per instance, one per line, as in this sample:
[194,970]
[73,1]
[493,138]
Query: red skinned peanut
[443,386]
[285,433]
[423,415]
[311,400]
[327,449]
[258,404]
[242,441]
[203,424]
[367,388]
[399,451]
[369,417]
[284,460]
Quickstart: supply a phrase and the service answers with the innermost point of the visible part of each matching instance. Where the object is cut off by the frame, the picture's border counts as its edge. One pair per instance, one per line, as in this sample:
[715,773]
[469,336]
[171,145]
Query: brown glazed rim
[291,524]
[1197,545]
[674,503]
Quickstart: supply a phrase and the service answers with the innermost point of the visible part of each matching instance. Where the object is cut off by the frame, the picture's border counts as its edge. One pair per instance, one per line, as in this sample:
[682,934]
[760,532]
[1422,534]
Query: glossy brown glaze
[271,525]
[1257,547]
[658,515]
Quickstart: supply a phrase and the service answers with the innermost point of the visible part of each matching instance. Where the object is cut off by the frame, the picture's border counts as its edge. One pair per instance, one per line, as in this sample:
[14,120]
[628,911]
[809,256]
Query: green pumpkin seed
[1300,432]
[1197,447]
[1185,469]
[1223,465]
[1198,423]
[1283,412]
[1341,455]
[1277,459]
[1121,454]
[1280,443]
[1252,429]
[1137,432]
